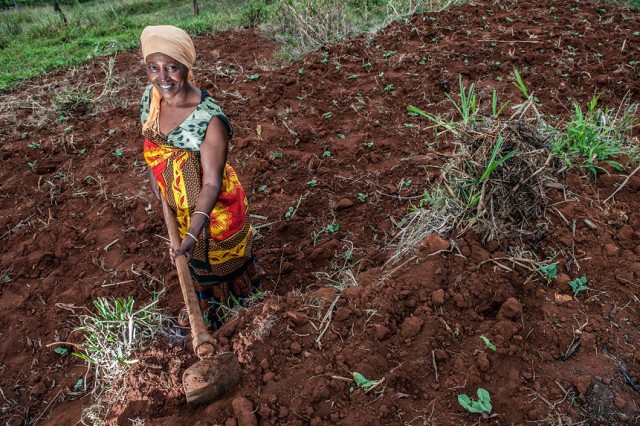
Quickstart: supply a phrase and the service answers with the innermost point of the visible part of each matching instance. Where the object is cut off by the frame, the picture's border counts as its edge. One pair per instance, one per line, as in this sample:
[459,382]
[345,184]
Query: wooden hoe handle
[202,341]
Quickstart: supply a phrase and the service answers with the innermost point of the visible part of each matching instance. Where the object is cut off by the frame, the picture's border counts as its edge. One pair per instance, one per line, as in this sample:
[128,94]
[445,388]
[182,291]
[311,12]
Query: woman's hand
[186,248]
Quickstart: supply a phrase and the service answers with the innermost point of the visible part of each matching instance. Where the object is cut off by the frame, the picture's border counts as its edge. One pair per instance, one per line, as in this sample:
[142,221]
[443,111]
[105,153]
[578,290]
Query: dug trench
[328,139]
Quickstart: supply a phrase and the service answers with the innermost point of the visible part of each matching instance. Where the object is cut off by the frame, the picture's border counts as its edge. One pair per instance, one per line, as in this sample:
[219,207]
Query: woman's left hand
[186,248]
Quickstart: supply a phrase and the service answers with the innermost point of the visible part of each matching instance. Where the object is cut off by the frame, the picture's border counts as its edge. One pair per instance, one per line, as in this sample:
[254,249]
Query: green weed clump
[596,134]
[114,332]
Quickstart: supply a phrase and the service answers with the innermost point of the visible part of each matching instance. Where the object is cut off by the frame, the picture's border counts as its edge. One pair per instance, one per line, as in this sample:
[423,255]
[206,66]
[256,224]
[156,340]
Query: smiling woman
[186,149]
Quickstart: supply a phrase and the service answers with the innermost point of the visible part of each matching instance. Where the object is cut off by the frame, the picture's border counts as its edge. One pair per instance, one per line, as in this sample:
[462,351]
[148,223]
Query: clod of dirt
[610,250]
[433,243]
[382,332]
[510,309]
[411,327]
[483,362]
[243,410]
[344,204]
[438,297]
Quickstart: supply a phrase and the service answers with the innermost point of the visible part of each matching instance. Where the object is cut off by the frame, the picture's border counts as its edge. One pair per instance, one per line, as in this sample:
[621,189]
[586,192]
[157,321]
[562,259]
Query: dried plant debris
[498,175]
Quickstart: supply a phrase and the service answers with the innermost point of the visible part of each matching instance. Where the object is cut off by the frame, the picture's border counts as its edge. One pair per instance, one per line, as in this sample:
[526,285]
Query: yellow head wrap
[171,41]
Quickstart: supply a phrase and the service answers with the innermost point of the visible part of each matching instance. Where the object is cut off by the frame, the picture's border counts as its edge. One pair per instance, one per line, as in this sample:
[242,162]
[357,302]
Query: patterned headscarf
[171,41]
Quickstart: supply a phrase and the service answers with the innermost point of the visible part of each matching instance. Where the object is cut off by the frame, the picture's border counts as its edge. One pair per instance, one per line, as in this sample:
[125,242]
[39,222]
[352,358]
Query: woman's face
[166,74]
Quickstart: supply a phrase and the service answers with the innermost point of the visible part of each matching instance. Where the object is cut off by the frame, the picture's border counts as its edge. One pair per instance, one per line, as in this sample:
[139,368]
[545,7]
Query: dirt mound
[328,141]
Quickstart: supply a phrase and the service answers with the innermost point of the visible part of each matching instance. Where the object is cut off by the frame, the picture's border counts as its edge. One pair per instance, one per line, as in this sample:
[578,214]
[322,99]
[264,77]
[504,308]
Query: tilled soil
[80,223]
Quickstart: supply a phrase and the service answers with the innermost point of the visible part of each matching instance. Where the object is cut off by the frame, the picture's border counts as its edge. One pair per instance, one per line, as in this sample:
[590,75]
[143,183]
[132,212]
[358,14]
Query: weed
[362,197]
[333,227]
[118,153]
[326,153]
[578,285]
[482,405]
[389,54]
[62,351]
[327,115]
[34,145]
[290,212]
[114,332]
[254,77]
[549,271]
[488,343]
[363,383]
[276,154]
[596,134]
[495,109]
[520,84]
[341,136]
[368,145]
[388,87]
[262,188]
[312,183]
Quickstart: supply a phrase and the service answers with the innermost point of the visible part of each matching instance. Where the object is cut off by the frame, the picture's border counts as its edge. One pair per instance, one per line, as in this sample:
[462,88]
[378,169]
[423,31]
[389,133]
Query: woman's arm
[213,158]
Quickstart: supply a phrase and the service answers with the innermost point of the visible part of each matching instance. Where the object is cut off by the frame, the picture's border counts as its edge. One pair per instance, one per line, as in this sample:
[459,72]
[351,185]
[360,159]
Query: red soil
[69,240]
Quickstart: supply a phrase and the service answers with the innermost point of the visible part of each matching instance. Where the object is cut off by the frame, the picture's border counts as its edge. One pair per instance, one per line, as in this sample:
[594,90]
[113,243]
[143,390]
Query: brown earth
[417,323]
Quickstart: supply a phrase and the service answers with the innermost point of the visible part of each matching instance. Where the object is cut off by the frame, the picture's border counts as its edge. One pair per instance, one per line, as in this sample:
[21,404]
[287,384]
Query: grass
[37,40]
[596,134]
[112,334]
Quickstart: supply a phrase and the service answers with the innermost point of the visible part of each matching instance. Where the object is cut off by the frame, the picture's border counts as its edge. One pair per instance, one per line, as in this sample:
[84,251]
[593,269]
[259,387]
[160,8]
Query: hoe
[214,375]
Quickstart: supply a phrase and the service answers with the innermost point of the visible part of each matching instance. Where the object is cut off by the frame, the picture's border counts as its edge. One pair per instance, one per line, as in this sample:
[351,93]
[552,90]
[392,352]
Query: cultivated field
[410,256]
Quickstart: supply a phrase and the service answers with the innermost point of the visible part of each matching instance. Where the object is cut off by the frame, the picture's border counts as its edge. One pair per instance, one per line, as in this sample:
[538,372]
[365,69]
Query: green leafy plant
[578,285]
[549,271]
[488,343]
[262,188]
[61,351]
[388,87]
[482,405]
[363,383]
[362,197]
[326,153]
[519,83]
[495,109]
[290,212]
[254,77]
[34,145]
[333,227]
[114,332]
[312,183]
[276,154]
[118,153]
[596,134]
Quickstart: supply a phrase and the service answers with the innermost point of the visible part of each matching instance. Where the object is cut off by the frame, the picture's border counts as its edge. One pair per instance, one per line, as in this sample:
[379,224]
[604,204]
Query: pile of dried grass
[499,174]
[494,183]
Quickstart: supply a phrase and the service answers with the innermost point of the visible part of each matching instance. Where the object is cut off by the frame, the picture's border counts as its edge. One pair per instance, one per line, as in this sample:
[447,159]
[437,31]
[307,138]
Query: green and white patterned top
[190,133]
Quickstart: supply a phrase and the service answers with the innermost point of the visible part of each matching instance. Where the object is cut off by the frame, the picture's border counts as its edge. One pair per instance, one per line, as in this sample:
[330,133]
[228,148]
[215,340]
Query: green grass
[596,134]
[36,40]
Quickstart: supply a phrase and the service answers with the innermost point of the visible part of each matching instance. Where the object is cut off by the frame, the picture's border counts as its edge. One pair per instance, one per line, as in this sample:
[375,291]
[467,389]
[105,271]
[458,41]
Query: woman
[187,139]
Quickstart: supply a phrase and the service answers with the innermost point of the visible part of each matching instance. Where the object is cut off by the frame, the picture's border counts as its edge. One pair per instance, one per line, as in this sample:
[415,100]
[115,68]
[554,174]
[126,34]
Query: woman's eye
[172,68]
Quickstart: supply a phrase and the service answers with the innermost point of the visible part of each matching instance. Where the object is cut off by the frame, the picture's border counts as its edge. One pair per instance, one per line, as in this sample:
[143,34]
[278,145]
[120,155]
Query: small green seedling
[34,145]
[334,227]
[254,77]
[550,271]
[368,145]
[78,385]
[363,383]
[327,115]
[326,153]
[362,197]
[276,154]
[61,351]
[118,153]
[111,132]
[262,188]
[578,285]
[32,164]
[5,279]
[388,87]
[488,343]
[482,405]
[312,183]
[290,212]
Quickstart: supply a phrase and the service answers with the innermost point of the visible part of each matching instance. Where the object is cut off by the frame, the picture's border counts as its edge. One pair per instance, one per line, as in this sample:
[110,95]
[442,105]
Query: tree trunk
[196,9]
[56,8]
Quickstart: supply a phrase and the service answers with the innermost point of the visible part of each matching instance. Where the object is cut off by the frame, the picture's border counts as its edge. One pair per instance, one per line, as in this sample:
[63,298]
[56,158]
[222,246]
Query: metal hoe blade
[210,378]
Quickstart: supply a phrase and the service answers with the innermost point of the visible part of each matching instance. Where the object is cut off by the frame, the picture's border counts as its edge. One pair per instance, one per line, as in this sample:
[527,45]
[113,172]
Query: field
[374,261]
